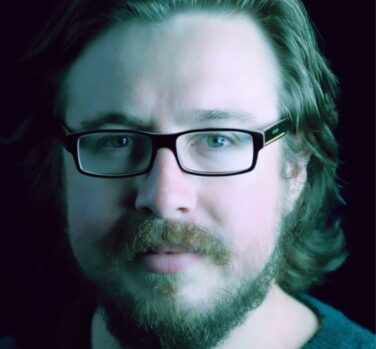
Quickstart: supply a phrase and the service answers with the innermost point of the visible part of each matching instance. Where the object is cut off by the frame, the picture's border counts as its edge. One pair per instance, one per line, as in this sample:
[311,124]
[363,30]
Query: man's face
[161,77]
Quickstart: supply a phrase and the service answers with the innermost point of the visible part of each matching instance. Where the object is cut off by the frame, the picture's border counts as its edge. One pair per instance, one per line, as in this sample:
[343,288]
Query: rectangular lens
[216,151]
[114,153]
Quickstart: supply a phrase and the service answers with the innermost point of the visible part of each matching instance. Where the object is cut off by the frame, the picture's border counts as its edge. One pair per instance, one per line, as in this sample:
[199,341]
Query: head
[171,67]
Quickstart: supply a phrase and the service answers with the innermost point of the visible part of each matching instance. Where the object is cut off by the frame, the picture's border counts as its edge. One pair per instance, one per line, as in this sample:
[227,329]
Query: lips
[168,259]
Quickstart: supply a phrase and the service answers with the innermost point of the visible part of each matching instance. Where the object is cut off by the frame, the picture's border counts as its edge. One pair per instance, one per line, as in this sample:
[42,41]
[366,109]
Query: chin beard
[169,323]
[164,319]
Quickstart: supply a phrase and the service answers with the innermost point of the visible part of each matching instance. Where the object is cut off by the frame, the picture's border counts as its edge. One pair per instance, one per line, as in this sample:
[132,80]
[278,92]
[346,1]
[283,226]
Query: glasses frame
[261,139]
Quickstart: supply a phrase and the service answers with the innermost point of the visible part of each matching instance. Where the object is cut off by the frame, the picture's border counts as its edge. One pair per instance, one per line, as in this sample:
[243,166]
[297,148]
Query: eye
[212,141]
[114,142]
[217,141]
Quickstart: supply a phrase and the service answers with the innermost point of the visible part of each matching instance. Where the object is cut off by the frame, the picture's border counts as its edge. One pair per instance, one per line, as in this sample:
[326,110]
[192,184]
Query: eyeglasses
[202,152]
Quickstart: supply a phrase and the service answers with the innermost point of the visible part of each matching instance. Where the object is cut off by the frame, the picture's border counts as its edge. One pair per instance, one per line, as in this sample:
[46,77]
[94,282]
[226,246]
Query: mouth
[168,259]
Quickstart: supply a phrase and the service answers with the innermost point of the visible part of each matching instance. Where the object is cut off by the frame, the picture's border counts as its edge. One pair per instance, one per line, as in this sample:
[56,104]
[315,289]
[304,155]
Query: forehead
[167,71]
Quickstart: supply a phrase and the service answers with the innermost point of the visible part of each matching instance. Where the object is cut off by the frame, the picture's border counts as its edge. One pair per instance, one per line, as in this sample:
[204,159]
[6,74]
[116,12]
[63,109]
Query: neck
[280,322]
[101,338]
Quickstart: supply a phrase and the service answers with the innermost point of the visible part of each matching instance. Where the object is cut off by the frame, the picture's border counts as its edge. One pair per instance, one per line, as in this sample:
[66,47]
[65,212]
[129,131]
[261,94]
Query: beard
[164,319]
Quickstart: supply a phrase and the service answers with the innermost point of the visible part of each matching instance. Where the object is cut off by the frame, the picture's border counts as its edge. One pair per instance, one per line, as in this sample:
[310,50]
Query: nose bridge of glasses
[163,141]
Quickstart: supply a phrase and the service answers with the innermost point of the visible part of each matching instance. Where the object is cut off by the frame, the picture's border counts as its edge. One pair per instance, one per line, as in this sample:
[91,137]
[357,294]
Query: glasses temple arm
[275,131]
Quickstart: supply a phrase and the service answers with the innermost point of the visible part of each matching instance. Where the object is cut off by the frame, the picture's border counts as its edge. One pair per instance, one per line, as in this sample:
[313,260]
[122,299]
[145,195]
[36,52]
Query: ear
[295,175]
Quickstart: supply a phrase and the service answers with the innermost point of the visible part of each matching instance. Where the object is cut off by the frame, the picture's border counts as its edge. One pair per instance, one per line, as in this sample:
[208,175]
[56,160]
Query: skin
[162,74]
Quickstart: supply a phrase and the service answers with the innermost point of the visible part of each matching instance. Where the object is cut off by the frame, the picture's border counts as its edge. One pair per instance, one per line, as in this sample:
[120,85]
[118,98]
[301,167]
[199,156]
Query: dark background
[347,36]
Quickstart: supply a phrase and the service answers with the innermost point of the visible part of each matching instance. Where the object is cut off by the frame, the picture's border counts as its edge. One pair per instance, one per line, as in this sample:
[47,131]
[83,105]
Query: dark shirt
[337,331]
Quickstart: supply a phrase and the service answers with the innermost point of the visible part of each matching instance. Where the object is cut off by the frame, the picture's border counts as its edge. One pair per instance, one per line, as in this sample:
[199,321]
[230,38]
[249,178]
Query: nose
[166,191]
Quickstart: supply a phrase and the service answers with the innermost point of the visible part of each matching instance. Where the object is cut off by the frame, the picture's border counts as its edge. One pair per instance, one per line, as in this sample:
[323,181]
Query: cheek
[93,205]
[247,208]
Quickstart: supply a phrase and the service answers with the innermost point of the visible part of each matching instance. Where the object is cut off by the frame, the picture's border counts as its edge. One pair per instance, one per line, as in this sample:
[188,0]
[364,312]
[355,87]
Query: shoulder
[8,343]
[336,330]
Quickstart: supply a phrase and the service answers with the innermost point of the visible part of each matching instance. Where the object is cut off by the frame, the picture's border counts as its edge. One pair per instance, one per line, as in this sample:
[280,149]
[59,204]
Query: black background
[347,36]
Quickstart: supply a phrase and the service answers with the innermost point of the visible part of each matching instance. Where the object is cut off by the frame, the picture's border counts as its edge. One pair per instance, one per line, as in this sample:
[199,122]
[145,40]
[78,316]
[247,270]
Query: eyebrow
[199,116]
[222,115]
[114,118]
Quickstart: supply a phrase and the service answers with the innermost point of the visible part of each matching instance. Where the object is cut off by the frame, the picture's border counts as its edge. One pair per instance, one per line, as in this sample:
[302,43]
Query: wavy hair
[314,242]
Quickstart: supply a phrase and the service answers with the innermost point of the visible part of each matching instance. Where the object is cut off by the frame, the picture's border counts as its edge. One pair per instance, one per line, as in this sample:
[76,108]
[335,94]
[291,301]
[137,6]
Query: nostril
[145,211]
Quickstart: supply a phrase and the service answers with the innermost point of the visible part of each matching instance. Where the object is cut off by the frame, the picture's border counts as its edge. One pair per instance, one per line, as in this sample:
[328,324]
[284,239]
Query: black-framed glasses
[203,152]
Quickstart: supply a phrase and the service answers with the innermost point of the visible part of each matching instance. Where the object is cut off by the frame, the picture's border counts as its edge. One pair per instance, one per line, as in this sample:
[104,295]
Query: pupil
[217,141]
[120,141]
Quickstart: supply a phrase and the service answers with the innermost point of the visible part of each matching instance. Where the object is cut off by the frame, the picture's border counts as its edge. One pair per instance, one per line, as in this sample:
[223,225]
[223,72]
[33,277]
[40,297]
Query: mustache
[135,235]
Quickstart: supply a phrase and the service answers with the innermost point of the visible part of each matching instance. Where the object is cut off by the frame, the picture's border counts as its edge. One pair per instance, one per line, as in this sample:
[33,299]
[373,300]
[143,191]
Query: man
[191,144]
